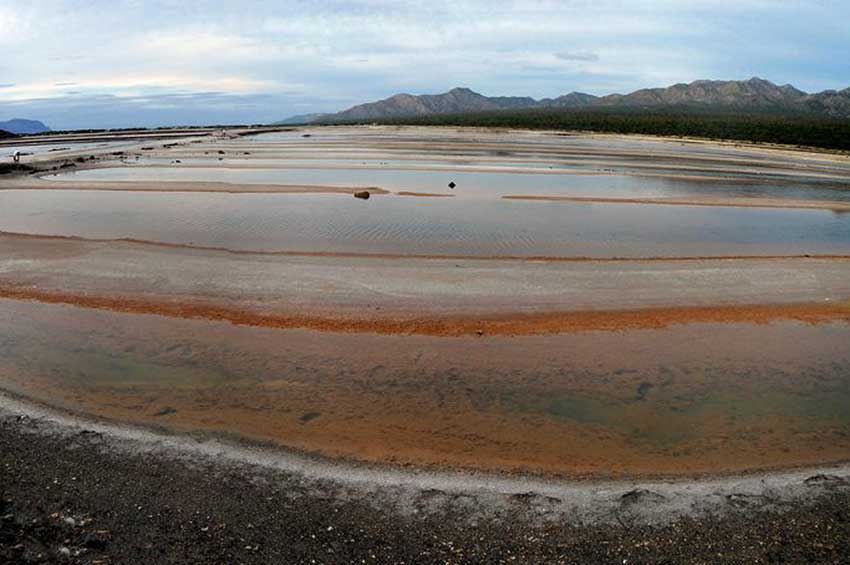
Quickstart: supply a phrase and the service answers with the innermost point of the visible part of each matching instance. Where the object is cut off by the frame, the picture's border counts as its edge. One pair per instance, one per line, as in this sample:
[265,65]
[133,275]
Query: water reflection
[385,224]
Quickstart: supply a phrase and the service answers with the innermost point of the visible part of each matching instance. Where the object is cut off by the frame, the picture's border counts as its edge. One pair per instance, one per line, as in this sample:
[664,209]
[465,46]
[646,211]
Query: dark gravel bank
[76,500]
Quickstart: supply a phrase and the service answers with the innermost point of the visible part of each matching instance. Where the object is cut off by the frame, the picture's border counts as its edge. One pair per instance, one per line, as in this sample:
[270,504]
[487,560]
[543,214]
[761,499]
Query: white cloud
[137,85]
[581,56]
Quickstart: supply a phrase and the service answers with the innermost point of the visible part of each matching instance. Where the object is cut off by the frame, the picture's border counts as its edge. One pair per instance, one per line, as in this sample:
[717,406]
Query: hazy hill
[23,127]
[754,94]
[299,119]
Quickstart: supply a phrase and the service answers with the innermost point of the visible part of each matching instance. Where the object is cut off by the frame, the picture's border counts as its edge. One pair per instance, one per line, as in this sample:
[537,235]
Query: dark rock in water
[308,416]
[364,194]
[452,185]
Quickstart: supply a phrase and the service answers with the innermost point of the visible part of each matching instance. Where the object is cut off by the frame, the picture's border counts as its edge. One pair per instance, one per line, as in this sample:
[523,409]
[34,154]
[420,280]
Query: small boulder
[364,194]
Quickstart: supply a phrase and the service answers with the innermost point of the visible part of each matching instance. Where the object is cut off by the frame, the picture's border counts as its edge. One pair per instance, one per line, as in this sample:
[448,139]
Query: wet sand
[479,309]
[190,187]
[729,202]
[123,495]
[434,296]
[205,397]
[588,404]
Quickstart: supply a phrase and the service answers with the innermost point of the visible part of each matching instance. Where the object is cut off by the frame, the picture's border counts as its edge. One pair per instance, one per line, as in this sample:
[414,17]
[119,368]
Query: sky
[125,63]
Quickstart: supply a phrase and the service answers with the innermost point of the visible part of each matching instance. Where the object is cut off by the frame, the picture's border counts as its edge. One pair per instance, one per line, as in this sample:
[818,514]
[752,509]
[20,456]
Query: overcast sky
[121,63]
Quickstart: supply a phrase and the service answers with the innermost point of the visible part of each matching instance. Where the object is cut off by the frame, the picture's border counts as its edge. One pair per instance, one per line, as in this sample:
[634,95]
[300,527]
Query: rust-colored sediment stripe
[509,324]
[436,256]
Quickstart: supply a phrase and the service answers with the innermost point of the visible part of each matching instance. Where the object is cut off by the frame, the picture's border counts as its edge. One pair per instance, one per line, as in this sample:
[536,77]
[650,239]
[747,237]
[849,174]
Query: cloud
[133,85]
[583,56]
[300,56]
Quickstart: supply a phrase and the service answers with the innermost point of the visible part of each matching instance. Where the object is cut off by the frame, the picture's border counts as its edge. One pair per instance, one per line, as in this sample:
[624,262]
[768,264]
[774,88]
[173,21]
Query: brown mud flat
[506,324]
[583,405]
[728,202]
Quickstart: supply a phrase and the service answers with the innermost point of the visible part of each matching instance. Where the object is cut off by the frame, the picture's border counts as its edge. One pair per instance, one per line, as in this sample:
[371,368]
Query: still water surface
[391,224]
[692,399]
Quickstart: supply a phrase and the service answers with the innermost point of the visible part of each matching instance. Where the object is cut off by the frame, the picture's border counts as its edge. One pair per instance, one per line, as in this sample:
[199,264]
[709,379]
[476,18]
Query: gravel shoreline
[74,493]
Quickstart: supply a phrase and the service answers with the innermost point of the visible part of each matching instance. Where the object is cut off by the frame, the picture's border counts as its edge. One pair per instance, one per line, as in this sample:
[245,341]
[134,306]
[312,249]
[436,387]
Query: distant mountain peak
[752,94]
[22,127]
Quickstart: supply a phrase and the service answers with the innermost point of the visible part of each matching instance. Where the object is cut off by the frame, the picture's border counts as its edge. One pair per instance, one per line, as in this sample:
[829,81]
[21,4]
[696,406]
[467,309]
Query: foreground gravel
[72,499]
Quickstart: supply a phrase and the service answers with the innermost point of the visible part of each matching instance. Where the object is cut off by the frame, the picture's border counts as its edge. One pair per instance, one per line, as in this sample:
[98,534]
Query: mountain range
[23,127]
[754,94]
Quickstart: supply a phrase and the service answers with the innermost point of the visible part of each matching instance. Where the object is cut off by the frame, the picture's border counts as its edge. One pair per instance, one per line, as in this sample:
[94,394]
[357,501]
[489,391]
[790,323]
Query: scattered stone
[8,168]
[641,496]
[168,410]
[363,194]
[742,500]
[822,479]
